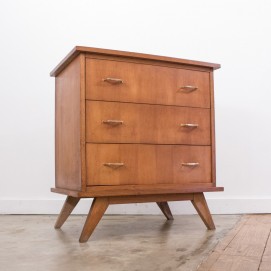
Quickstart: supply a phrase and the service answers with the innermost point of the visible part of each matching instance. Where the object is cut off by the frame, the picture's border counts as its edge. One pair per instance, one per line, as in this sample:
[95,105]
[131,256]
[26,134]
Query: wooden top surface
[81,49]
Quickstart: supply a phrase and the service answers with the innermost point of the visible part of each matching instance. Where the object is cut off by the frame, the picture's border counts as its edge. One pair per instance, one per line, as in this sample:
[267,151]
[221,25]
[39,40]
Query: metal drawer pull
[113,80]
[188,88]
[113,122]
[189,125]
[190,164]
[114,165]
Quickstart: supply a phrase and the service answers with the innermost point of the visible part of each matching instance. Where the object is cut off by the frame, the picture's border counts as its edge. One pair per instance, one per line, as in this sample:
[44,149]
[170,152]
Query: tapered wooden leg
[66,210]
[165,210]
[201,206]
[97,209]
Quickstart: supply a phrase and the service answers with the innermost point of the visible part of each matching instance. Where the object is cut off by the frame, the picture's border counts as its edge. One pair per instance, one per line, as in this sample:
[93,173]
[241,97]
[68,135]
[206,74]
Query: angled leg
[165,210]
[97,210]
[67,208]
[201,206]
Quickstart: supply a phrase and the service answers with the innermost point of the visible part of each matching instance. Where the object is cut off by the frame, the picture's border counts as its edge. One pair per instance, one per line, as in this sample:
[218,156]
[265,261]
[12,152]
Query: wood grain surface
[147,164]
[245,248]
[146,84]
[143,123]
[106,53]
[67,128]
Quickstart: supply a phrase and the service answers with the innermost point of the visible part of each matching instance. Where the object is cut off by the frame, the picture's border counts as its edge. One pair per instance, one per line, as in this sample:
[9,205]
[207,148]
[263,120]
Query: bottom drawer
[118,164]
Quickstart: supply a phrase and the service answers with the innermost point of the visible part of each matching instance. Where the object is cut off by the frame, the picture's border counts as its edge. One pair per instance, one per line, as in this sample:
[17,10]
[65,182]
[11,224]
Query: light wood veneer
[133,128]
[144,123]
[143,83]
[147,164]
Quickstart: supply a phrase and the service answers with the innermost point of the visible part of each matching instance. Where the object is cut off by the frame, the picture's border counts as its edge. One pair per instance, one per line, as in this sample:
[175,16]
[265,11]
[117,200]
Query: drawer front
[113,122]
[142,83]
[116,164]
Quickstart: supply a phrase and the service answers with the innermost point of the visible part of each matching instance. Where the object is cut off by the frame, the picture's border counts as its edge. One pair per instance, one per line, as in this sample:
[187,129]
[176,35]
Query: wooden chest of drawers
[133,128]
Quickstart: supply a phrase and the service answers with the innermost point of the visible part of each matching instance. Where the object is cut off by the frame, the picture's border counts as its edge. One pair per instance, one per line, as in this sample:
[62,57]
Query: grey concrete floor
[121,243]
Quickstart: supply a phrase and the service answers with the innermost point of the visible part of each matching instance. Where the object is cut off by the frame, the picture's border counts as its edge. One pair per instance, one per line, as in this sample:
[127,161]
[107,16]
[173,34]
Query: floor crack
[264,249]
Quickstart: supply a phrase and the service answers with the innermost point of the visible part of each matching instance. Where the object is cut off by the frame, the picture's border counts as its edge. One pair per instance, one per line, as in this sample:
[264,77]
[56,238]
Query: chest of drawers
[133,128]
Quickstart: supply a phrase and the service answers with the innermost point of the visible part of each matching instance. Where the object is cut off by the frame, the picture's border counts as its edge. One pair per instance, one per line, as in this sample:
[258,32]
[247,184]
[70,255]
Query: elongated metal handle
[111,80]
[191,164]
[189,125]
[188,88]
[113,122]
[114,165]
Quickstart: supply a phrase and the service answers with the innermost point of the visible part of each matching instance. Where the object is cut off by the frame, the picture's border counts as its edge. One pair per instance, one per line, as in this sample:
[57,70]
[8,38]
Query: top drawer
[111,80]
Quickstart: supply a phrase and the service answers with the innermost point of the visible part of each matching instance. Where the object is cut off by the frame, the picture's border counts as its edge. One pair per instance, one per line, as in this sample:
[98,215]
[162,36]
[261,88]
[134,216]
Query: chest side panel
[67,130]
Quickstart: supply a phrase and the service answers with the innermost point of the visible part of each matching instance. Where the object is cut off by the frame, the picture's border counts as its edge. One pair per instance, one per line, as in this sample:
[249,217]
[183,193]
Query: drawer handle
[114,165]
[190,164]
[188,88]
[113,122]
[113,80]
[189,125]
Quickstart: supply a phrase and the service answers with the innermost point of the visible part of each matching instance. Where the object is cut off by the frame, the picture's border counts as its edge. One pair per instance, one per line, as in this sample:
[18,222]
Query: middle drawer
[115,122]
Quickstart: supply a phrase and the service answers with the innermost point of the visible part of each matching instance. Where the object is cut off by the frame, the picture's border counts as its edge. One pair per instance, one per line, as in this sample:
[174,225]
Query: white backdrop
[36,35]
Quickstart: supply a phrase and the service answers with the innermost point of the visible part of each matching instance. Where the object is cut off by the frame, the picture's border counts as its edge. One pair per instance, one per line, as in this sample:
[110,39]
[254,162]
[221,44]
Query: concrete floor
[121,243]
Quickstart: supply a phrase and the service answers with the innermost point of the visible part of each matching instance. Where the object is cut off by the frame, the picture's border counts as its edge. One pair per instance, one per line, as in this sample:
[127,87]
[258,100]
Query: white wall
[36,35]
